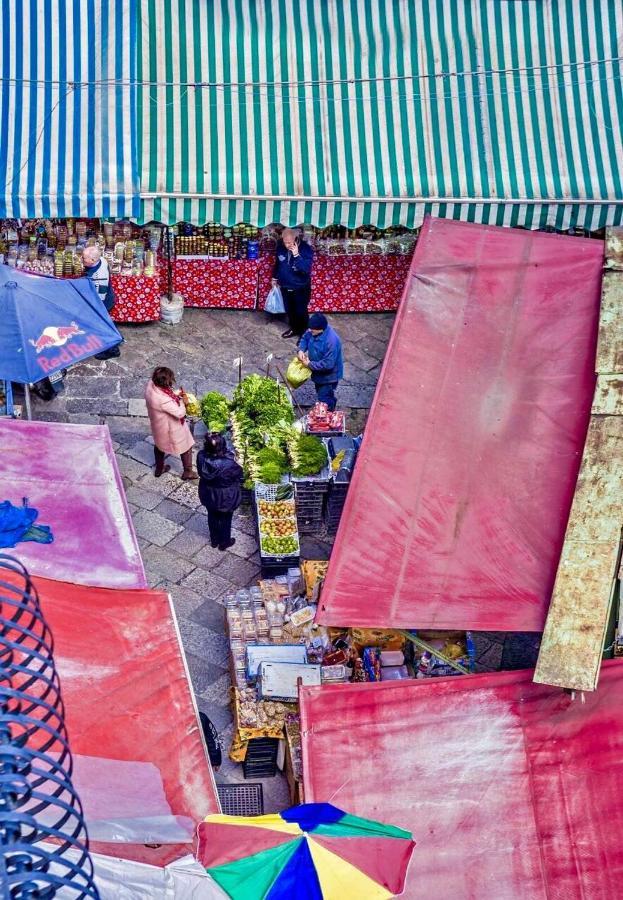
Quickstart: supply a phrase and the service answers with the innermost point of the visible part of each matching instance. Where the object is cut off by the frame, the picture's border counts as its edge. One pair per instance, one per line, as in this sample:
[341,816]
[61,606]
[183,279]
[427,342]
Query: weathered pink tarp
[69,473]
[511,789]
[459,503]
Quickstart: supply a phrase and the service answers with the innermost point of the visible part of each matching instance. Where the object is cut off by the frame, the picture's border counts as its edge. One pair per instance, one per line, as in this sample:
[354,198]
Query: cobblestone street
[169,521]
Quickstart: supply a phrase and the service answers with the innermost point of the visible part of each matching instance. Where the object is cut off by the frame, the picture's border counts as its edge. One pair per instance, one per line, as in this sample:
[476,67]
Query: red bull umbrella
[48,324]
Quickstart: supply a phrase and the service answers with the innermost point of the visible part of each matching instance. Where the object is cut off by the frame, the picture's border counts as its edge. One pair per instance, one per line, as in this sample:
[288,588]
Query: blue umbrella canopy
[47,324]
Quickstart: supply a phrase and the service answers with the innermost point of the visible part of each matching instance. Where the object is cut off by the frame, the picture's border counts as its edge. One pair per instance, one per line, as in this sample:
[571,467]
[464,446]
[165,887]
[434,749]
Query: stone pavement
[170,523]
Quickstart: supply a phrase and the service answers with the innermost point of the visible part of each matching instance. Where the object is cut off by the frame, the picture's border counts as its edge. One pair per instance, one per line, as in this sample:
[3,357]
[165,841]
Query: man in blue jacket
[320,349]
[292,272]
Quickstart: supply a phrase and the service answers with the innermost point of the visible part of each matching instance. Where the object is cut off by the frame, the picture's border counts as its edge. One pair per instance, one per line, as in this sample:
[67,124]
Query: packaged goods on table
[272,622]
[456,646]
[319,420]
[314,571]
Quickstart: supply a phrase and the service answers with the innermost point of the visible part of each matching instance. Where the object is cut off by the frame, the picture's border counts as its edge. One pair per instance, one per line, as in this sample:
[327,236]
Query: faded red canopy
[511,789]
[140,765]
[459,502]
[69,473]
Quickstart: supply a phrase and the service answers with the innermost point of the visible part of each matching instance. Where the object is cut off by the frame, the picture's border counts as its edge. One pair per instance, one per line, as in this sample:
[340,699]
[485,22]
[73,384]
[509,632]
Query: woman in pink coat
[167,417]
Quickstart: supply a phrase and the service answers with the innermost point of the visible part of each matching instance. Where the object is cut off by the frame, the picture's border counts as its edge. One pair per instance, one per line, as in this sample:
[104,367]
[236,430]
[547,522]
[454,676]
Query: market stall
[275,646]
[53,247]
[349,282]
[361,270]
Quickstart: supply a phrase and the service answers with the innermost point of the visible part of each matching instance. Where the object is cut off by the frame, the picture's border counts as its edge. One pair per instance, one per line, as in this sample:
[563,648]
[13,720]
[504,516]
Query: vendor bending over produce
[320,349]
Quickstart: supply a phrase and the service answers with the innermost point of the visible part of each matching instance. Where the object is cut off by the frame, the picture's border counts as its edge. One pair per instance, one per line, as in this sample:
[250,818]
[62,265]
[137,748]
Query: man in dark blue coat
[292,272]
[320,349]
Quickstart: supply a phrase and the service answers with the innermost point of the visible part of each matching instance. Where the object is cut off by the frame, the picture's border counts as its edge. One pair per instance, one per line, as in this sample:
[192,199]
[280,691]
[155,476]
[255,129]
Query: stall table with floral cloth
[372,283]
[137,298]
[216,283]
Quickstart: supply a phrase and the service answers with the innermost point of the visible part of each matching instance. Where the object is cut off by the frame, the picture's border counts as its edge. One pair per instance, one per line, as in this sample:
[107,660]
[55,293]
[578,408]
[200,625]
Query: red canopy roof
[459,502]
[130,714]
[511,789]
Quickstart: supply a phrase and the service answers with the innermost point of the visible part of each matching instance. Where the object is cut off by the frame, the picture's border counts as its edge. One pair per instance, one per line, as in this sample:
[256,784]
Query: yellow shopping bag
[296,373]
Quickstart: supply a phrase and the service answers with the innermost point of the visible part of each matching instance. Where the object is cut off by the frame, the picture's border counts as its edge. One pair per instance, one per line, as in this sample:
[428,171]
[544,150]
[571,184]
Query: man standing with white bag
[292,272]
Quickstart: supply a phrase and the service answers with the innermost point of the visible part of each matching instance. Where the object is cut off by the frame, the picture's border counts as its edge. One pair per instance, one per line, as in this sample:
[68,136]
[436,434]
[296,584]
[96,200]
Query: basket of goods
[355,248]
[276,515]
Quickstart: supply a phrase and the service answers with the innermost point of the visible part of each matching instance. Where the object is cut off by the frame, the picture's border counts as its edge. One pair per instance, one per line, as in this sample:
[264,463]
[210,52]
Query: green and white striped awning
[379,111]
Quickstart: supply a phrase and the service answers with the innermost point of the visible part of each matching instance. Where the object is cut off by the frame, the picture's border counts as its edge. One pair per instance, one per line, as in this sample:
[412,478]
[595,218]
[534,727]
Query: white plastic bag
[274,302]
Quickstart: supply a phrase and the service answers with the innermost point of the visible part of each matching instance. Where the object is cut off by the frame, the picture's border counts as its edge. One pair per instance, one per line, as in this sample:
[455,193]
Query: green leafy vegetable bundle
[260,405]
[307,454]
[270,464]
[215,411]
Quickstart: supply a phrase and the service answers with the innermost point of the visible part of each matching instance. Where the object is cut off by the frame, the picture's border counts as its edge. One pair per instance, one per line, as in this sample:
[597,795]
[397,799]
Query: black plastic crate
[270,568]
[261,758]
[311,487]
[241,799]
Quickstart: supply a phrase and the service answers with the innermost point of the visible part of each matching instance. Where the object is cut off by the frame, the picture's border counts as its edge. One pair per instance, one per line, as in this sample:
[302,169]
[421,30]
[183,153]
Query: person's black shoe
[214,544]
[227,546]
[288,334]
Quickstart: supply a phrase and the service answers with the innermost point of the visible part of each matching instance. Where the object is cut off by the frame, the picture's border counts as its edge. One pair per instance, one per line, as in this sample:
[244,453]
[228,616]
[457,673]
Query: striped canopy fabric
[68,108]
[379,111]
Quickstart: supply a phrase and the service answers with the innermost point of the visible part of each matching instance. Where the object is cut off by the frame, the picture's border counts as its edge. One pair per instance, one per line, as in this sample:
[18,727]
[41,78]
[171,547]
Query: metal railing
[44,846]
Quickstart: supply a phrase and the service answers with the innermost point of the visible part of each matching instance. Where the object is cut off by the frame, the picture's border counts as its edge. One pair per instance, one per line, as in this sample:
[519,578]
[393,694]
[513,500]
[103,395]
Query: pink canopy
[69,473]
[511,789]
[459,502]
[140,764]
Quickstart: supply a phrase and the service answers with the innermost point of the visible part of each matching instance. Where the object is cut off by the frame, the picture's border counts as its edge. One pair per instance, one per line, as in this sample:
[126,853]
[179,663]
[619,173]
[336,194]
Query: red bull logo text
[55,336]
[64,336]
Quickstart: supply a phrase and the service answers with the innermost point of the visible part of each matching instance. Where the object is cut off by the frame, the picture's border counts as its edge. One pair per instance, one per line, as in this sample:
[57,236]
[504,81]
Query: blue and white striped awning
[379,111]
[67,108]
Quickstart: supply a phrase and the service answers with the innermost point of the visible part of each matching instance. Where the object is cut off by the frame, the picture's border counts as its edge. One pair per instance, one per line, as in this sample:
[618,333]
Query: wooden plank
[573,640]
[608,399]
[610,341]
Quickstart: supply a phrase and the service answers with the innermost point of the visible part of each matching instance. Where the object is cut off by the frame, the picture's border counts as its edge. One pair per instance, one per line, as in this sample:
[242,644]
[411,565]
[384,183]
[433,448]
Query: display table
[350,283]
[137,298]
[216,283]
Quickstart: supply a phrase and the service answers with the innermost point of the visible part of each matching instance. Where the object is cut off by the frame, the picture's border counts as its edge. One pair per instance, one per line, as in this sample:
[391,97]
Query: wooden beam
[573,640]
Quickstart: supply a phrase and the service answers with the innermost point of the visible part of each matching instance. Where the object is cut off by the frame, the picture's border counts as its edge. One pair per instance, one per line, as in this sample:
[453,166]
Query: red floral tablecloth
[224,283]
[137,298]
[350,283]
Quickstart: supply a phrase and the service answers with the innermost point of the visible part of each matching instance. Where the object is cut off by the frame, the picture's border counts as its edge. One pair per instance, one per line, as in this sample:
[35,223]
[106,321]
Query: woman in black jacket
[220,478]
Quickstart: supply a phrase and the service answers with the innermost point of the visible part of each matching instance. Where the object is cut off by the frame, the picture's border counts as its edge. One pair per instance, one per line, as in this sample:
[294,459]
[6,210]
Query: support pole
[27,402]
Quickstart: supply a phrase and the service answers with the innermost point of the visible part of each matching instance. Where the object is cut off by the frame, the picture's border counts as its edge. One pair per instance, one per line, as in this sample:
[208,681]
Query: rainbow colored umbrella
[309,852]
